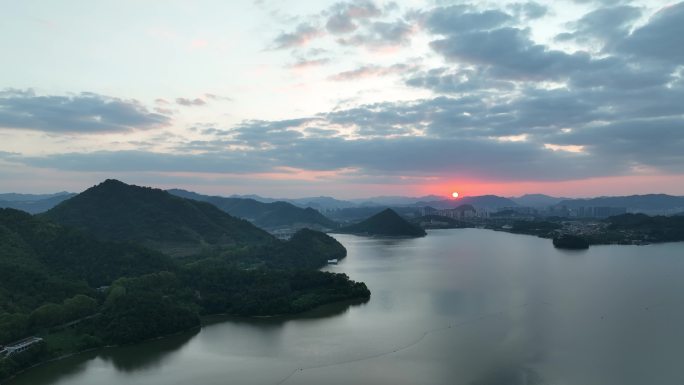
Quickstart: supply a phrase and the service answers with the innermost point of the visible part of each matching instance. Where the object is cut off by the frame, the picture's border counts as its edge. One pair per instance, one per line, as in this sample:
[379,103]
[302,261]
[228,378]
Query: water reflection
[147,355]
[322,312]
[509,375]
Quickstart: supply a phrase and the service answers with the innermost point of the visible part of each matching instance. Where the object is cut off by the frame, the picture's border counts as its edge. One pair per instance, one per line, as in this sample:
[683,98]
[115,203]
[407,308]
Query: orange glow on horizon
[592,187]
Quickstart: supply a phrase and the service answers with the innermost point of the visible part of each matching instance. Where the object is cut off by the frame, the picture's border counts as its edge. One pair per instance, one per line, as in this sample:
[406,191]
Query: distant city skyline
[349,99]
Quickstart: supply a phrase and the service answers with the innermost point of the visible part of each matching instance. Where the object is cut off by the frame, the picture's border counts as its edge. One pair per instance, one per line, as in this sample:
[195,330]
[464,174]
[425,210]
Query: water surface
[471,307]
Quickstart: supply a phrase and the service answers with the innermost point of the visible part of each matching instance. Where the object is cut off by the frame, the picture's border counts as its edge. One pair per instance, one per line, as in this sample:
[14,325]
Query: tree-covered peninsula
[120,264]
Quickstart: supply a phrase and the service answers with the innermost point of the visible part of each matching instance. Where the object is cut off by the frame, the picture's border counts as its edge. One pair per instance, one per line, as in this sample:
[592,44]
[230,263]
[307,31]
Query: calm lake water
[471,307]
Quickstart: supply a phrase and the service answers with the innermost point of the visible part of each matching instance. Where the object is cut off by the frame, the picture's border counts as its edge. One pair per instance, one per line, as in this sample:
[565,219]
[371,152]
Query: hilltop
[537,200]
[385,223]
[271,215]
[117,211]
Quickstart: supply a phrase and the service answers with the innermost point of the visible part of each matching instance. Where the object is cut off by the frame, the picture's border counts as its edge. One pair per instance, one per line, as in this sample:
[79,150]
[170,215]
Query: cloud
[510,53]
[343,15]
[82,113]
[354,23]
[257,133]
[381,34]
[190,102]
[457,19]
[614,99]
[301,36]
[403,156]
[458,81]
[218,97]
[607,25]
[143,161]
[309,63]
[660,38]
[528,11]
[438,137]
[654,143]
[164,111]
[373,71]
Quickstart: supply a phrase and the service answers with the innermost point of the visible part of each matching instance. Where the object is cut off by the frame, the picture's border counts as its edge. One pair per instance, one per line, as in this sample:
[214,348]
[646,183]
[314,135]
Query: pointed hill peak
[385,223]
[114,210]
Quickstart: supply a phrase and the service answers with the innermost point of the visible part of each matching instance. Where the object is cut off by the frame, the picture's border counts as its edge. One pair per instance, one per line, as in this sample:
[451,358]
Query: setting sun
[454,194]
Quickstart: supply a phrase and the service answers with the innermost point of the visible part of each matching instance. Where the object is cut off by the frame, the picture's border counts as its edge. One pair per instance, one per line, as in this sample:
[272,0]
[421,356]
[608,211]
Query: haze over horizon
[348,99]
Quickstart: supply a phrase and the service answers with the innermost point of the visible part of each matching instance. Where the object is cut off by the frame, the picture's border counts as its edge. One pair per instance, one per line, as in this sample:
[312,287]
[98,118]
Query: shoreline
[591,242]
[204,322]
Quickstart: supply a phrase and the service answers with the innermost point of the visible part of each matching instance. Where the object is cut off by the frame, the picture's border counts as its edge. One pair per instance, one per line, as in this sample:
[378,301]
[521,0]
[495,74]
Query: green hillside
[116,211]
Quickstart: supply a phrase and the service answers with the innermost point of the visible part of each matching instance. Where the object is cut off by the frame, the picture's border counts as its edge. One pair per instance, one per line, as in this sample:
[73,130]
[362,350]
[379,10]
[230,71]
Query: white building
[20,346]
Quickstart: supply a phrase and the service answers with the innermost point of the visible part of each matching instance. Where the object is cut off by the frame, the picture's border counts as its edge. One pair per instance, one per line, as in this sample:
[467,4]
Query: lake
[472,307]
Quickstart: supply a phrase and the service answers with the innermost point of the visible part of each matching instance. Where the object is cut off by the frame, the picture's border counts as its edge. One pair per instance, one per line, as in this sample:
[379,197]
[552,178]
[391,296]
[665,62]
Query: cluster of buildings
[525,213]
[19,346]
[461,212]
[599,212]
[596,212]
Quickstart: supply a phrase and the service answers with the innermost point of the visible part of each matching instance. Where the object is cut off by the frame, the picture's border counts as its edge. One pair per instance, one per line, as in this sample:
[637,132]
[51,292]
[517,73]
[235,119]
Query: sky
[344,98]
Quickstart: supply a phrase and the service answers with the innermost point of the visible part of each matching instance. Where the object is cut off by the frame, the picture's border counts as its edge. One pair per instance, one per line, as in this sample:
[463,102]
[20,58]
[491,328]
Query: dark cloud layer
[660,39]
[607,25]
[82,113]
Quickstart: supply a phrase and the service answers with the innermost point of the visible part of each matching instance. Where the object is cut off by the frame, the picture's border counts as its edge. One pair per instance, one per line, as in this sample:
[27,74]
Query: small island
[572,242]
[386,223]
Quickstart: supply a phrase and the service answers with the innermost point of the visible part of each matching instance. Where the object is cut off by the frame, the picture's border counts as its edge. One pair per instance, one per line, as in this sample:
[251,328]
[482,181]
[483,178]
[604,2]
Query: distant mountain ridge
[116,211]
[18,197]
[395,200]
[265,215]
[31,203]
[537,200]
[318,203]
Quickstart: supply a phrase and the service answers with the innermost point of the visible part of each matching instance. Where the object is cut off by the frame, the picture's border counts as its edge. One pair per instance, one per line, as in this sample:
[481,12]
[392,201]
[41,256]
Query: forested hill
[41,261]
[265,215]
[117,211]
[385,223]
[52,276]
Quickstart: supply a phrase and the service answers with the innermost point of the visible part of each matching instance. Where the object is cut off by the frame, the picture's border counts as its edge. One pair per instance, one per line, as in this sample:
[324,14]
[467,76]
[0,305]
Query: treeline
[653,228]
